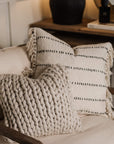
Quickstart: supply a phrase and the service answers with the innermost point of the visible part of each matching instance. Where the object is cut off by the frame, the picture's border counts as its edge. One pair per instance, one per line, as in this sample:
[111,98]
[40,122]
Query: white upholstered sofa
[95,128]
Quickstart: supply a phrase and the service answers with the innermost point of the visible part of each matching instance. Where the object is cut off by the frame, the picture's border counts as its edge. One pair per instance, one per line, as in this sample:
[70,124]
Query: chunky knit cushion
[39,107]
[88,66]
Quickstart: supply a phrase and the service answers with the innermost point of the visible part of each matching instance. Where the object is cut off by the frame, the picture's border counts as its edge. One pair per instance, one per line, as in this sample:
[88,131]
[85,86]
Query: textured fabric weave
[93,63]
[39,107]
[45,49]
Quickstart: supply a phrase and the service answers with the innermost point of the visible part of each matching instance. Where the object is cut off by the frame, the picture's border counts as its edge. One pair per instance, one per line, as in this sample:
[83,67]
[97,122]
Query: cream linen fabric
[13,60]
[44,49]
[90,85]
[39,107]
[88,65]
[96,129]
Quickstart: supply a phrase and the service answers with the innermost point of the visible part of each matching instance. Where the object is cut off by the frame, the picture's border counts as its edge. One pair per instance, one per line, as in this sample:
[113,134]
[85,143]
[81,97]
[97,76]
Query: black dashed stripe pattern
[91,112]
[89,99]
[55,51]
[88,84]
[87,69]
[75,68]
[52,39]
[91,47]
[95,57]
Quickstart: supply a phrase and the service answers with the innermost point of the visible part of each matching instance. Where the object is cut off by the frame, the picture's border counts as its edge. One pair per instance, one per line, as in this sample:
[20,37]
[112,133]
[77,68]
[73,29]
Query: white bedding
[96,130]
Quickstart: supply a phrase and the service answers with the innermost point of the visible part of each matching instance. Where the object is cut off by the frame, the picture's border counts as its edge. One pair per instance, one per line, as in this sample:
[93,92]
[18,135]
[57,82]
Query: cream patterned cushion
[93,63]
[88,66]
[39,107]
[44,49]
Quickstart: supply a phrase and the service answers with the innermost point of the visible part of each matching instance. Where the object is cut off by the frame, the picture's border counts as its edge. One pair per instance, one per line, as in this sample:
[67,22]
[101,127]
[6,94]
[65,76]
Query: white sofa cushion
[39,107]
[13,60]
[90,85]
[95,129]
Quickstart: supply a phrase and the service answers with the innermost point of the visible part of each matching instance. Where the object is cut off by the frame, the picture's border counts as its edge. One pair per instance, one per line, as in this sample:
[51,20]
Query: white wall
[91,11]
[21,14]
[24,12]
[4,29]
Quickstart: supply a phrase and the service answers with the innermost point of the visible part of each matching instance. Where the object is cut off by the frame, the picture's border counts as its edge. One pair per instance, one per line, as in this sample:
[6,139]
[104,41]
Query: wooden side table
[76,34]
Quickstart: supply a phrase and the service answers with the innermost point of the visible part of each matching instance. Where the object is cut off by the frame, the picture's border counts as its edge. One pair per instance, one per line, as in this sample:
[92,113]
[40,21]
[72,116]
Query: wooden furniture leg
[17,136]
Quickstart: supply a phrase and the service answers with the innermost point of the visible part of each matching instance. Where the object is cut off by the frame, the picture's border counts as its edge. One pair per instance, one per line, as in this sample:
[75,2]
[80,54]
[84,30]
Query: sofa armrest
[17,136]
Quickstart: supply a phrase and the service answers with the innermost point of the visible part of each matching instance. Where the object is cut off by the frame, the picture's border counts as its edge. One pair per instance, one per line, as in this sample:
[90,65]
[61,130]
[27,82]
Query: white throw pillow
[39,107]
[45,49]
[88,66]
[90,85]
[13,60]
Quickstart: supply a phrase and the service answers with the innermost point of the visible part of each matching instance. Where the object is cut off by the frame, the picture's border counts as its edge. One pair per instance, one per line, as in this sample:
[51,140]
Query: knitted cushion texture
[14,60]
[39,107]
[88,66]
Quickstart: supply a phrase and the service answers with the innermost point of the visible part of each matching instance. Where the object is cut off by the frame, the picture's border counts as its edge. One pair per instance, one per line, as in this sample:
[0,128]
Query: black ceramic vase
[67,12]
